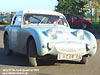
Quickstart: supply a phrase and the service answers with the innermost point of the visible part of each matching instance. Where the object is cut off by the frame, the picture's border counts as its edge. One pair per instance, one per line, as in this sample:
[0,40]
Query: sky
[17,5]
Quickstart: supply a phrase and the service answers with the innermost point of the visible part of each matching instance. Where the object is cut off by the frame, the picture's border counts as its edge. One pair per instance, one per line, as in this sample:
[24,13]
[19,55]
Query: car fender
[90,38]
[7,31]
[38,37]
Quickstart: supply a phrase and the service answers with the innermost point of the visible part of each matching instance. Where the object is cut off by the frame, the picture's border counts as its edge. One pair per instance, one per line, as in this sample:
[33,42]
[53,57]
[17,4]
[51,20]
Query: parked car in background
[76,22]
[46,35]
[5,19]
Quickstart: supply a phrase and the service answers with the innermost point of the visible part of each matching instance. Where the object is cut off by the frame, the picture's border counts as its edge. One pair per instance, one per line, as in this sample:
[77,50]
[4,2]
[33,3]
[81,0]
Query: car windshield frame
[43,19]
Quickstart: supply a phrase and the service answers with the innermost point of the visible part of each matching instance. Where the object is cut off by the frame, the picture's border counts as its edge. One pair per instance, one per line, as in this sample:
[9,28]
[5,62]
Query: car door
[15,33]
[76,22]
[69,19]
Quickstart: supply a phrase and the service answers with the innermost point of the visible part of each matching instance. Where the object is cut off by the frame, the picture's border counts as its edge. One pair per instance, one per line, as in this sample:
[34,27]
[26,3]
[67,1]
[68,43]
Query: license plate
[69,57]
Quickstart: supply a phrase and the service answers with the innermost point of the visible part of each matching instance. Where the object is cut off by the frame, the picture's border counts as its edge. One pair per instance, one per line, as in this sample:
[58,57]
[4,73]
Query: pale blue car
[46,35]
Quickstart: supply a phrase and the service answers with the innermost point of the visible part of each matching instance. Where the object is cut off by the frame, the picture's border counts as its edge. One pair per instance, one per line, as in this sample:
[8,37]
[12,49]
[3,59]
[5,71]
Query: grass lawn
[94,24]
[2,25]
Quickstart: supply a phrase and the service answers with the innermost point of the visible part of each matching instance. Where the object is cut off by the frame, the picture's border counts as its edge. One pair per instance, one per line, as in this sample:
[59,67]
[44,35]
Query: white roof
[39,12]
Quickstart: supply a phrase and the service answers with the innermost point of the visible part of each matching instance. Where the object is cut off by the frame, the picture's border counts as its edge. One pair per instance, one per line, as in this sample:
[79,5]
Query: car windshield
[44,19]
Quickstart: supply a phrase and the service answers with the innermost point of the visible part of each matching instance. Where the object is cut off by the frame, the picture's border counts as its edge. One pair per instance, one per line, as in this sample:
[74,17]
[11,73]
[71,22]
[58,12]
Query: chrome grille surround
[70,47]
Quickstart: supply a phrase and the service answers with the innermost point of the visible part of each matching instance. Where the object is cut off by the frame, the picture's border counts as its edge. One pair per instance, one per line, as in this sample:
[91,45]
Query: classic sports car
[46,35]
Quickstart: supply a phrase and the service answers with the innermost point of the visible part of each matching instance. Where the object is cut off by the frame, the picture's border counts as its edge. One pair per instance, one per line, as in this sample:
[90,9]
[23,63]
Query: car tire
[84,26]
[52,62]
[84,60]
[32,55]
[7,51]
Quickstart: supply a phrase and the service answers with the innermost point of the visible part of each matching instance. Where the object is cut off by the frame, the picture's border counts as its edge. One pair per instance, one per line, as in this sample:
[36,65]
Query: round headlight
[52,34]
[80,34]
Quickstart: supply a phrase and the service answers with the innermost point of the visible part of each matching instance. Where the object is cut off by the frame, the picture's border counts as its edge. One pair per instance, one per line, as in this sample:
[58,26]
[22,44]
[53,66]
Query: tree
[93,5]
[70,6]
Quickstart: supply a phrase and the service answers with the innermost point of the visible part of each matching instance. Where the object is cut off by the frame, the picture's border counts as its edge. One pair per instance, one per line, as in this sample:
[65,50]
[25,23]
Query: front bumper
[70,50]
[66,50]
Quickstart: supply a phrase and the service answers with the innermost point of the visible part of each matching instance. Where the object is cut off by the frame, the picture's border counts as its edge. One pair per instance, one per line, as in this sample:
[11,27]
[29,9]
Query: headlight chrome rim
[80,34]
[52,34]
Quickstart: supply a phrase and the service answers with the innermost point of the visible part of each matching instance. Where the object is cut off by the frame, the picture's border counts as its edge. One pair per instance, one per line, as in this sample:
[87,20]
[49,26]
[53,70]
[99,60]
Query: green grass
[89,19]
[94,24]
[2,25]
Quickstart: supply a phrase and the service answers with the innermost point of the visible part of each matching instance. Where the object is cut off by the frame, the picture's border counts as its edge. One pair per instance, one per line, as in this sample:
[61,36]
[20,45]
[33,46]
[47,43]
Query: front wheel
[32,52]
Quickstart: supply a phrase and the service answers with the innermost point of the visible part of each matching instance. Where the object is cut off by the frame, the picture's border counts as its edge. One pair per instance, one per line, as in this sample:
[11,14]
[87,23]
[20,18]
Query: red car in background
[76,22]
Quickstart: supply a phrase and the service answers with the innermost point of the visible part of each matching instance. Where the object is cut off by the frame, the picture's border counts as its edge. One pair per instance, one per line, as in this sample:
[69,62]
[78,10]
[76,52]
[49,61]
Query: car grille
[70,47]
